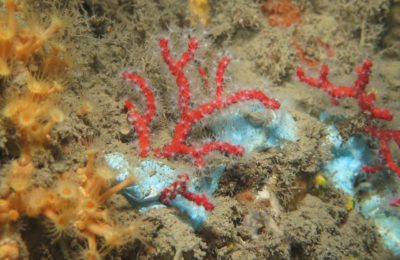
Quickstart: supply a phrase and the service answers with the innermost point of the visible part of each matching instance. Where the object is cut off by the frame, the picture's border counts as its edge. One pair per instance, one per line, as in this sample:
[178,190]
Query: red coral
[180,187]
[385,136]
[357,91]
[366,103]
[141,122]
[188,115]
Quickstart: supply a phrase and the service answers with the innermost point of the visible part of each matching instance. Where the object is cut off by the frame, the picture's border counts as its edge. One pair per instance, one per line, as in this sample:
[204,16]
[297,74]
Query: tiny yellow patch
[350,204]
[231,246]
[319,181]
[200,10]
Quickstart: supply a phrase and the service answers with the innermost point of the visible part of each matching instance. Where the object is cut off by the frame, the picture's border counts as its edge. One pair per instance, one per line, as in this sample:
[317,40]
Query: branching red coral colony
[188,115]
[366,103]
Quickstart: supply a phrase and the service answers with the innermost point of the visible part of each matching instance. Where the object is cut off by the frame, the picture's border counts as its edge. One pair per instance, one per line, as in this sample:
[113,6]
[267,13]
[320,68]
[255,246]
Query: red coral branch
[357,91]
[180,187]
[188,115]
[385,136]
[141,123]
[176,69]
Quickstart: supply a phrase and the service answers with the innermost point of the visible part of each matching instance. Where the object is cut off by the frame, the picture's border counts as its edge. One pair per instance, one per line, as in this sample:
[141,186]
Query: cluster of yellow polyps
[25,45]
[21,43]
[34,115]
[74,201]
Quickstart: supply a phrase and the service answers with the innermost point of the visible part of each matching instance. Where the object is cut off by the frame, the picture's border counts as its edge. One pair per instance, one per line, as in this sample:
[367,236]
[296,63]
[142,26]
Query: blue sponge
[234,127]
[153,177]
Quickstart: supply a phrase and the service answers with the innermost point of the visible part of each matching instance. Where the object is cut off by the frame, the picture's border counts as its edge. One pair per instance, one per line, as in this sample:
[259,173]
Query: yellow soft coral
[34,114]
[200,10]
[75,200]
[8,32]
[20,43]
[34,65]
[25,45]
[84,205]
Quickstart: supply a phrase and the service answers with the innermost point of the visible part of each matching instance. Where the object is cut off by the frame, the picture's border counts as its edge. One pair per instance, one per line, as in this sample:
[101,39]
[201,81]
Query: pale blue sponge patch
[389,228]
[234,127]
[281,129]
[386,221]
[153,177]
[371,207]
[196,214]
[348,158]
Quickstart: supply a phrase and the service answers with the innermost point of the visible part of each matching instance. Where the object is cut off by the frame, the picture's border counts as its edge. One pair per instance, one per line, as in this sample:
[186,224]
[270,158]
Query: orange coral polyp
[67,189]
[37,41]
[26,119]
[13,215]
[42,88]
[19,176]
[58,223]
[35,130]
[55,229]
[105,174]
[19,183]
[36,201]
[114,239]
[37,87]
[89,206]
[91,252]
[53,199]
[55,26]
[66,192]
[21,169]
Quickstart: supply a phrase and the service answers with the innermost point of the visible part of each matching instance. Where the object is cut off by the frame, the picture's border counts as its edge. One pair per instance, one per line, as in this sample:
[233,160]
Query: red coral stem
[357,91]
[141,123]
[176,69]
[385,136]
[180,187]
